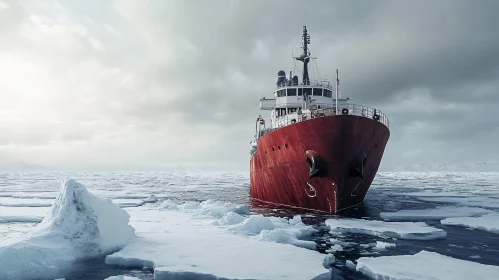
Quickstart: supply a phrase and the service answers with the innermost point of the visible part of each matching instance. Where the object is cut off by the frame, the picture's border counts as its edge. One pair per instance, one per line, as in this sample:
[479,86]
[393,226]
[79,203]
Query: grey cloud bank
[175,84]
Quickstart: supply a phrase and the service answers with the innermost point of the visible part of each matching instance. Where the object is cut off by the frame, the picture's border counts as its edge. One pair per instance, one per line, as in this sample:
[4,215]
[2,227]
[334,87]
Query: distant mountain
[21,166]
[483,166]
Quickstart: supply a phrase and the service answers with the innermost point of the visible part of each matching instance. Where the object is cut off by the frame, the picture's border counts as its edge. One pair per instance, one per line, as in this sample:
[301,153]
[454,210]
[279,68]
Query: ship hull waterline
[280,173]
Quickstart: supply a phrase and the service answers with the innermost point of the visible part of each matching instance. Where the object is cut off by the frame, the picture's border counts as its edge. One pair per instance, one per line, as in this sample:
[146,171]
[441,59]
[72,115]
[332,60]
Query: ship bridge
[295,101]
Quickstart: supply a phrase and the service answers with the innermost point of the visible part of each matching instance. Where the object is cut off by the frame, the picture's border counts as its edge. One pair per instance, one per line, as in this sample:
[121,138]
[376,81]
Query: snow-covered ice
[424,266]
[437,213]
[190,240]
[122,277]
[128,202]
[402,230]
[23,214]
[489,222]
[478,201]
[383,245]
[77,226]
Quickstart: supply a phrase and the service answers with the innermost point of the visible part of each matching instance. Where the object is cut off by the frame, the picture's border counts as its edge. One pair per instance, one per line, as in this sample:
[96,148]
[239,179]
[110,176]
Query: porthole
[286,145]
[279,147]
[273,149]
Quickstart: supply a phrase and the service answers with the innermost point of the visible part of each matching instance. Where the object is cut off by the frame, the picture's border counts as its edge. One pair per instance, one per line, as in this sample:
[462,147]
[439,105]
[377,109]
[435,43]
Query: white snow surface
[79,225]
[122,277]
[437,213]
[489,222]
[194,240]
[424,266]
[402,230]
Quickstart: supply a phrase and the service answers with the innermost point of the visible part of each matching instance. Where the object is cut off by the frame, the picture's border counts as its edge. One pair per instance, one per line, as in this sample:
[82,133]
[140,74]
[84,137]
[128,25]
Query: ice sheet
[424,266]
[77,226]
[478,201]
[21,202]
[402,230]
[122,277]
[23,214]
[489,222]
[128,202]
[437,213]
[185,242]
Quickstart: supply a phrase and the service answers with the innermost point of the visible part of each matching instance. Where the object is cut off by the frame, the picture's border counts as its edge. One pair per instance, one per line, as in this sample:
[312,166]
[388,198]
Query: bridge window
[307,91]
[281,112]
[291,91]
[328,93]
[300,92]
[292,110]
[317,92]
[281,93]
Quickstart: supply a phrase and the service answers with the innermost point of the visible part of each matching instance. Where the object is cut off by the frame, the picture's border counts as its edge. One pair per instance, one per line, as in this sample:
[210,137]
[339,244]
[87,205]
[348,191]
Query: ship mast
[305,57]
[337,85]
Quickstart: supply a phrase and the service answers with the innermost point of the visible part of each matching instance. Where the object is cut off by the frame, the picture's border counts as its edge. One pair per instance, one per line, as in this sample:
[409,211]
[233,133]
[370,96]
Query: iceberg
[78,226]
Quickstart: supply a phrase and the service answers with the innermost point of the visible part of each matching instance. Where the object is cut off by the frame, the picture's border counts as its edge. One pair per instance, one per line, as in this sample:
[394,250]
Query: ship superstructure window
[291,91]
[280,112]
[292,110]
[307,91]
[281,93]
[317,92]
[328,93]
[300,92]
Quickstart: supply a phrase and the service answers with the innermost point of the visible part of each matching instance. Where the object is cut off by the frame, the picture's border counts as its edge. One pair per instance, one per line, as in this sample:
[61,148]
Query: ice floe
[476,201]
[194,239]
[489,222]
[437,213]
[380,245]
[402,230]
[21,202]
[78,226]
[424,266]
[122,277]
[23,214]
[128,202]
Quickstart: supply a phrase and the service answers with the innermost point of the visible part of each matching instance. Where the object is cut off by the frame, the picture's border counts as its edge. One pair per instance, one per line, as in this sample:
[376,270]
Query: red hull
[280,172]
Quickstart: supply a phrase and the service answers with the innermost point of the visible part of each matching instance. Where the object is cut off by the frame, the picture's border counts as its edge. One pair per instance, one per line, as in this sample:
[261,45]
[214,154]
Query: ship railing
[353,109]
[313,83]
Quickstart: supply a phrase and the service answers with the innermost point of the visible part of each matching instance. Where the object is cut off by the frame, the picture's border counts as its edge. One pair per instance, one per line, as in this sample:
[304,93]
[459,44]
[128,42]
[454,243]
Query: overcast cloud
[129,84]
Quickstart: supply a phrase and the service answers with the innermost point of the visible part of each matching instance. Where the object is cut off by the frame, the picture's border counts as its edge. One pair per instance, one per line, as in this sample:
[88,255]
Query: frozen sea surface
[444,219]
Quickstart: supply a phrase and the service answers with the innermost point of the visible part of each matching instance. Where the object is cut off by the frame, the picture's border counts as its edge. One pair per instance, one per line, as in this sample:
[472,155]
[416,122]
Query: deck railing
[313,83]
[353,109]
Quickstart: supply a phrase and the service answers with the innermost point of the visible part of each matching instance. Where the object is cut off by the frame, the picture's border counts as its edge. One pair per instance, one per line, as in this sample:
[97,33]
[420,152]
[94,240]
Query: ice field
[187,225]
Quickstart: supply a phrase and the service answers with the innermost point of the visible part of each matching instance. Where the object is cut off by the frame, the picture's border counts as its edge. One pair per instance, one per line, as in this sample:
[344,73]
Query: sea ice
[437,213]
[185,241]
[128,202]
[21,202]
[77,226]
[23,214]
[20,219]
[489,222]
[328,261]
[476,201]
[402,230]
[122,277]
[383,245]
[424,266]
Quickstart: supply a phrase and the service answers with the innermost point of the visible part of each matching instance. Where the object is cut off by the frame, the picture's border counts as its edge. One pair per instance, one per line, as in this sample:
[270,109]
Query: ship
[318,151]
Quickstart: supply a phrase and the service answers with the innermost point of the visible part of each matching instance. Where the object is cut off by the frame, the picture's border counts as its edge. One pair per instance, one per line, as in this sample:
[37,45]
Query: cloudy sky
[129,84]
